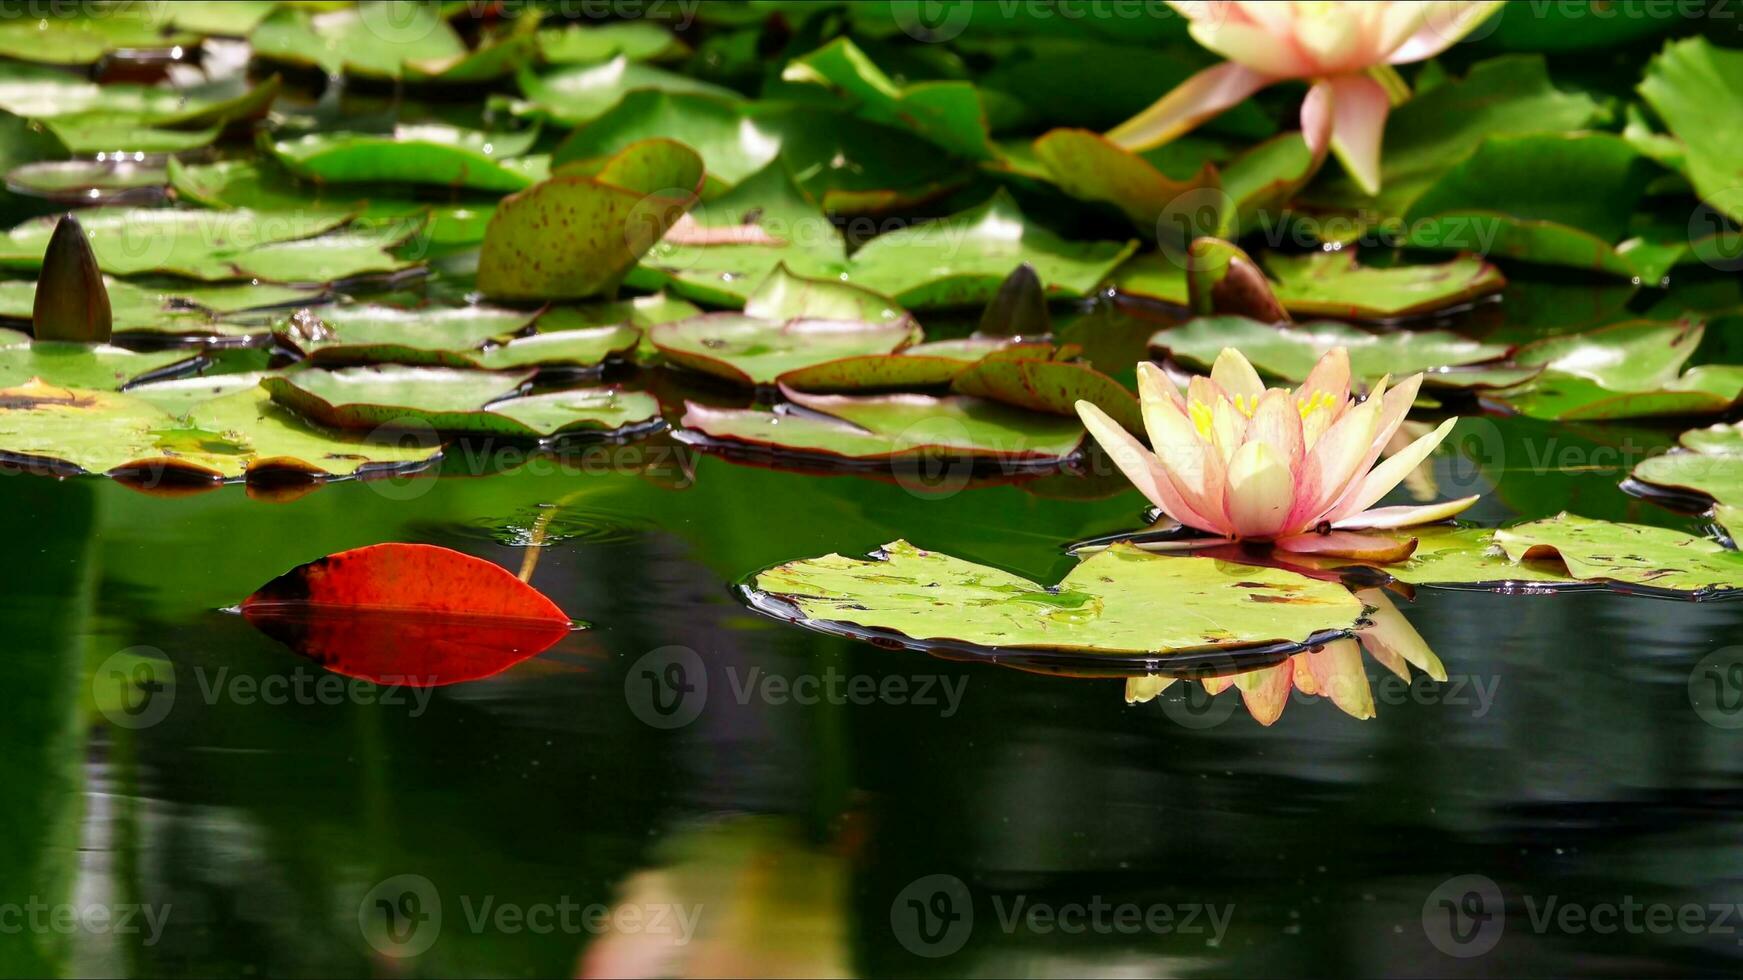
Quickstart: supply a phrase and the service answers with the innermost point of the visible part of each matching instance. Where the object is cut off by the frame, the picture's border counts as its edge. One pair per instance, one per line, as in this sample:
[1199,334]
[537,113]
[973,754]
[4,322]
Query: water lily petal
[1316,119]
[1405,515]
[1193,465]
[1206,94]
[1136,462]
[1234,374]
[1338,674]
[1395,405]
[1175,544]
[1261,491]
[1347,544]
[1141,689]
[1216,685]
[1266,691]
[1381,479]
[1447,24]
[1334,462]
[1301,675]
[1359,108]
[1277,423]
[1325,394]
[1393,634]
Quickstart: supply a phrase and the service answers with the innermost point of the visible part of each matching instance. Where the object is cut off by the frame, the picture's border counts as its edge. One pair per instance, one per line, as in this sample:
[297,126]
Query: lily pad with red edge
[577,234]
[929,365]
[752,351]
[881,428]
[433,399]
[1050,386]
[407,614]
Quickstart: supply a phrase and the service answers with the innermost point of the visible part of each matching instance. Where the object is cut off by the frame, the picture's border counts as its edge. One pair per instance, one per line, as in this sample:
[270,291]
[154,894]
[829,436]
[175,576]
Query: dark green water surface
[161,756]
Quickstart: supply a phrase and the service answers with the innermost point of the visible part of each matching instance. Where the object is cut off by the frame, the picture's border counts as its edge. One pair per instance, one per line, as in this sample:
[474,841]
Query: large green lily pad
[445,156]
[1625,370]
[574,96]
[98,367]
[727,247]
[733,141]
[928,365]
[375,39]
[1332,284]
[76,36]
[1048,385]
[182,310]
[882,428]
[1636,355]
[1695,87]
[449,400]
[577,234]
[948,113]
[366,333]
[1105,607]
[1710,462]
[750,350]
[962,260]
[1091,167]
[1291,352]
[1626,554]
[586,44]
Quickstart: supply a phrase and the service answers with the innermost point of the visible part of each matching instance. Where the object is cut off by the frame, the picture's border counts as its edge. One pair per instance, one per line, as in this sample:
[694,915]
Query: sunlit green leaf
[1290,352]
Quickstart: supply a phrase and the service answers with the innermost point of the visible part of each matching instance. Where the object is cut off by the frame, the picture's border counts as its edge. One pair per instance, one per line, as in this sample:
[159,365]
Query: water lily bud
[72,304]
[1020,307]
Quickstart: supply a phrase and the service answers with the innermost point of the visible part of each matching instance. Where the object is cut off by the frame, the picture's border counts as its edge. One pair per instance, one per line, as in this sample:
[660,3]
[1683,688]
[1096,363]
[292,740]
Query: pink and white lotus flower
[1239,461]
[1346,49]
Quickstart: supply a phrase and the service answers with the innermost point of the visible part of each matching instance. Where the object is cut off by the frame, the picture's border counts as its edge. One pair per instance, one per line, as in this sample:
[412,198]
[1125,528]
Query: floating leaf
[729,246]
[448,400]
[961,260]
[1629,554]
[1332,284]
[94,366]
[948,113]
[375,39]
[733,142]
[1706,390]
[1104,608]
[1047,385]
[72,303]
[407,614]
[499,53]
[891,427]
[1710,462]
[1637,355]
[577,234]
[183,310]
[367,333]
[927,365]
[280,441]
[750,350]
[445,156]
[1291,352]
[575,96]
[72,36]
[586,44]
[103,431]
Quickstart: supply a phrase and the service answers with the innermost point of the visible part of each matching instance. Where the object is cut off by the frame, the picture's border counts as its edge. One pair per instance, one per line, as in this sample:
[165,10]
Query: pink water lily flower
[1240,461]
[1346,49]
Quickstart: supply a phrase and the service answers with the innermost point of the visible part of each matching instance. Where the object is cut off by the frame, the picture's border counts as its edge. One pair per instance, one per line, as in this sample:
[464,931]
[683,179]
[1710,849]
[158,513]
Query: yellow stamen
[1202,419]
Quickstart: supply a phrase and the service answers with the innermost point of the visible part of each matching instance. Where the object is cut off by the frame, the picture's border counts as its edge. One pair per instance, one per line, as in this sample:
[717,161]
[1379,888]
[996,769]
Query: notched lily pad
[881,428]
[1628,554]
[1332,284]
[1103,613]
[434,399]
[750,350]
[1709,462]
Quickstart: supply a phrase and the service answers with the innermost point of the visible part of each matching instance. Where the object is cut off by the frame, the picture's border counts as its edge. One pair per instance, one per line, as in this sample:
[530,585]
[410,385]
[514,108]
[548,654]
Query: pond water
[688,787]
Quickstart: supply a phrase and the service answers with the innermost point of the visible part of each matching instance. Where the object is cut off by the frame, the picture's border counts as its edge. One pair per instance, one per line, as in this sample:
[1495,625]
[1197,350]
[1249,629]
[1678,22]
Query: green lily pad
[370,334]
[1291,352]
[98,367]
[962,260]
[727,247]
[179,396]
[106,132]
[73,36]
[577,234]
[582,348]
[88,181]
[103,431]
[881,428]
[750,350]
[1051,386]
[927,365]
[1105,607]
[1627,554]
[947,113]
[448,400]
[586,44]
[1710,462]
[1701,391]
[1090,167]
[1695,88]
[184,310]
[1332,284]
[1636,355]
[498,54]
[89,118]
[446,156]
[641,312]
[577,95]
[1458,557]
[786,296]
[1261,181]
[375,39]
[280,440]
[733,141]
[1625,370]
[1556,199]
